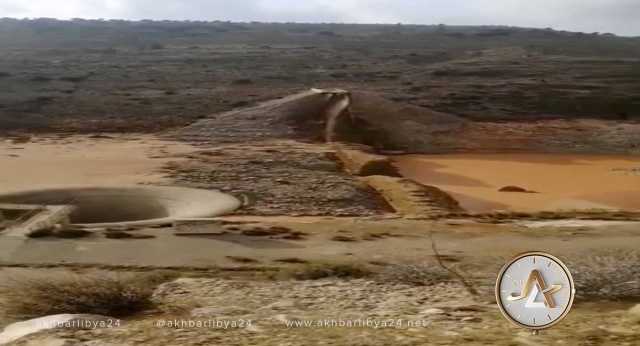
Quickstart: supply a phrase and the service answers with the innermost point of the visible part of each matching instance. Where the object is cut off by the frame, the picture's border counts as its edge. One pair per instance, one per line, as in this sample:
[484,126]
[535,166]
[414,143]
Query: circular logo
[535,290]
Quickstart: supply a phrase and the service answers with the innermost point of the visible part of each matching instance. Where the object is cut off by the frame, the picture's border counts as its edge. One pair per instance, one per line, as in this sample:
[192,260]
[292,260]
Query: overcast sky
[618,16]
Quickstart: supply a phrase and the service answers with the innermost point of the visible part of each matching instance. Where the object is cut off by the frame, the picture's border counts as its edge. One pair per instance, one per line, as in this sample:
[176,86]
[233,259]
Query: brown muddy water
[561,182]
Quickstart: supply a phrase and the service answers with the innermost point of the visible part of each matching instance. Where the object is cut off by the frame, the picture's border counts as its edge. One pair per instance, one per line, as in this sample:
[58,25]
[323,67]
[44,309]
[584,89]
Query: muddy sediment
[560,182]
[46,161]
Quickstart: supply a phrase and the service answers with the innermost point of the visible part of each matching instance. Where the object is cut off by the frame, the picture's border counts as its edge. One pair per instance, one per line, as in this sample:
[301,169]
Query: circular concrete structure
[129,206]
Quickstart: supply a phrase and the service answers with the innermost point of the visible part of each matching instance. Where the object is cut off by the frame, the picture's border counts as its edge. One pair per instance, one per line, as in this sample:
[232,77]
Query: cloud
[619,16]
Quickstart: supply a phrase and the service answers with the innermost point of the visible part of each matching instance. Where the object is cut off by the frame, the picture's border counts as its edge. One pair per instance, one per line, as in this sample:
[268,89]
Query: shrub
[327,33]
[40,79]
[110,295]
[74,79]
[318,271]
[414,274]
[242,81]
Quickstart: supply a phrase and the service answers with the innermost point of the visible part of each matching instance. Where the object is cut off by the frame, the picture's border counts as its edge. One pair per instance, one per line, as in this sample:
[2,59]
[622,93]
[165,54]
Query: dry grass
[316,271]
[601,276]
[291,260]
[241,259]
[414,274]
[421,275]
[607,276]
[111,295]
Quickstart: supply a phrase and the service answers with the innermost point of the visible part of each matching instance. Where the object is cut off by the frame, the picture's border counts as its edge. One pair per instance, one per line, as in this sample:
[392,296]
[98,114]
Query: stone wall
[408,197]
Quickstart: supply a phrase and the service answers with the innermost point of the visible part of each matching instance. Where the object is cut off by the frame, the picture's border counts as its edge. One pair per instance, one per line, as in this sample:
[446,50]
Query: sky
[621,17]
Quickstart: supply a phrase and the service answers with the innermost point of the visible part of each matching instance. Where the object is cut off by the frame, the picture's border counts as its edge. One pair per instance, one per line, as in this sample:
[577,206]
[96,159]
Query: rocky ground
[279,178]
[512,89]
[551,136]
[319,313]
[256,154]
[286,177]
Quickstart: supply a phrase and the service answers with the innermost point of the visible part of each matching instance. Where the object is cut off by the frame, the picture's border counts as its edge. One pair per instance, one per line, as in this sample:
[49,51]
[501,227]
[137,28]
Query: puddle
[562,182]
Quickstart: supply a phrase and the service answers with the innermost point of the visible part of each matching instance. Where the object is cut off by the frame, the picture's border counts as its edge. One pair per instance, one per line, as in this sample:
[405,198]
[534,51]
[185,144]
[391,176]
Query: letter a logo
[532,288]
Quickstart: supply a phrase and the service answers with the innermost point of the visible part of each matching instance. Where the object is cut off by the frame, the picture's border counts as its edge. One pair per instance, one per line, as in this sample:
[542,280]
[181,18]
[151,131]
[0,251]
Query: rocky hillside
[88,76]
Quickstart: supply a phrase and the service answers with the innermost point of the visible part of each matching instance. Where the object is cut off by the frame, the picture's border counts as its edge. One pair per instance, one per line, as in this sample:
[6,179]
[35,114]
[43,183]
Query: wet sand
[562,182]
[82,160]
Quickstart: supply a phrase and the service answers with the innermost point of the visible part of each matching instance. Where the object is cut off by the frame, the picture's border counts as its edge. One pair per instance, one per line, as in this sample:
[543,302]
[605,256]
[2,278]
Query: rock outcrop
[512,188]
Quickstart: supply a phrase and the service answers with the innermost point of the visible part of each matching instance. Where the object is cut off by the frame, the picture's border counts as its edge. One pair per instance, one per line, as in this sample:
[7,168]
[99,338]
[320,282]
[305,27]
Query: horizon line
[311,23]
